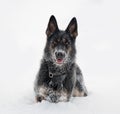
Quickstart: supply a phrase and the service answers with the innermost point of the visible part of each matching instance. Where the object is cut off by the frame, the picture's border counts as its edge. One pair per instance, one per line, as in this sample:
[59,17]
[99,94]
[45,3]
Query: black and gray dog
[59,76]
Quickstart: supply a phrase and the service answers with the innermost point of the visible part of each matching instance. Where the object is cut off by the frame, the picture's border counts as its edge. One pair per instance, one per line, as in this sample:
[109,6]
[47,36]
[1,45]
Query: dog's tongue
[59,61]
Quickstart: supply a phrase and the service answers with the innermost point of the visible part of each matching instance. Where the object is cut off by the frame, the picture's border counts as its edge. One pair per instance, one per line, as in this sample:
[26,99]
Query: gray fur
[58,82]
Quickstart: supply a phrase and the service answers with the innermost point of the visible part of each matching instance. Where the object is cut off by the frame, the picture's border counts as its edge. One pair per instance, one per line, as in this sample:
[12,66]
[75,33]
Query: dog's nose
[59,54]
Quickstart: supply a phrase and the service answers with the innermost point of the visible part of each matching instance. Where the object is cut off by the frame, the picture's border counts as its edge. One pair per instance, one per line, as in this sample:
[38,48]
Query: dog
[59,77]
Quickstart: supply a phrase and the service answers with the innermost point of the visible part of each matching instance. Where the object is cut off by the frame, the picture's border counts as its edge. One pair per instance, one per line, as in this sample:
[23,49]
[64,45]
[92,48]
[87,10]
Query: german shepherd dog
[59,77]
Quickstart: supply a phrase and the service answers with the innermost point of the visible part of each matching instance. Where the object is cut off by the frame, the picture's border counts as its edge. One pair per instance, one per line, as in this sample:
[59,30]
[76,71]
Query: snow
[22,40]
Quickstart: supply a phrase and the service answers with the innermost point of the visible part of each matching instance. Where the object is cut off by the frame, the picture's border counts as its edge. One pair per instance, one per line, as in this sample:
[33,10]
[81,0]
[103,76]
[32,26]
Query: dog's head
[60,46]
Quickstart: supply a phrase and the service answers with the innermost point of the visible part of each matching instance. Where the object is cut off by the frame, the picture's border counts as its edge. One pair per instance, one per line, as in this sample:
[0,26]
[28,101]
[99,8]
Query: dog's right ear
[52,26]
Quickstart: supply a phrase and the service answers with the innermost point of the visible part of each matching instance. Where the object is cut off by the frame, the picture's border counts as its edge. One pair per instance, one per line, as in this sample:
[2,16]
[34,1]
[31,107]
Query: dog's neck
[58,69]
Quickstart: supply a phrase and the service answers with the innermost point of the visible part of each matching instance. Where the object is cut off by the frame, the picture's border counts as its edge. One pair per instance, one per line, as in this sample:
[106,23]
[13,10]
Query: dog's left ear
[52,26]
[72,28]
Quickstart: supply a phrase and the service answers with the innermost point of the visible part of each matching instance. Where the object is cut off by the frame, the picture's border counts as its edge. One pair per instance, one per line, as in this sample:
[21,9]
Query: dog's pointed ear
[52,26]
[72,28]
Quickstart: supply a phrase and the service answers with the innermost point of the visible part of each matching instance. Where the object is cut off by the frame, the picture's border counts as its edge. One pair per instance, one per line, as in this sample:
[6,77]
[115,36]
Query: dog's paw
[85,93]
[54,98]
[39,98]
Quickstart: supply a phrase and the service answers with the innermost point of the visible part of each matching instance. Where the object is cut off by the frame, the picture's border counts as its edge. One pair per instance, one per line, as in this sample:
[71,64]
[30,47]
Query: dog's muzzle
[60,55]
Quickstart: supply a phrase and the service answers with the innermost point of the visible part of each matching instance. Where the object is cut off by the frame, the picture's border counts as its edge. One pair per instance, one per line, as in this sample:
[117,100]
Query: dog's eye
[54,43]
[67,44]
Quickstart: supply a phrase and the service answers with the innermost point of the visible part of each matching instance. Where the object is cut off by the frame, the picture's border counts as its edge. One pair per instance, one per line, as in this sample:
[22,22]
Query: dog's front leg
[67,90]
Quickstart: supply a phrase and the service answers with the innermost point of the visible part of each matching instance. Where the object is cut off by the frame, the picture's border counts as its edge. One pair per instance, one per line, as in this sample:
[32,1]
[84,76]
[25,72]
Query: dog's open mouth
[59,61]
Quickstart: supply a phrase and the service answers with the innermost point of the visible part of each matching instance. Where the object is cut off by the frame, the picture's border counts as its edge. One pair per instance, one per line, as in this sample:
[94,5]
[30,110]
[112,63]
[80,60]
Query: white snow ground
[22,39]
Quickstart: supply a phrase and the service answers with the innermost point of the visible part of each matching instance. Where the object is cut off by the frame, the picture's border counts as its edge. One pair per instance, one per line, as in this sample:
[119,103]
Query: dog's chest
[56,77]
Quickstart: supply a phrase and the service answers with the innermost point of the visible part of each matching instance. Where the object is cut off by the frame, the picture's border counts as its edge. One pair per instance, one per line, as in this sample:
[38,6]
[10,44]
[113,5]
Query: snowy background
[22,40]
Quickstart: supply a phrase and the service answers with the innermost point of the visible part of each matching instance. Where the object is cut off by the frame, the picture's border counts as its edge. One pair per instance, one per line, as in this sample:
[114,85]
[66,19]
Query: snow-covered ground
[22,39]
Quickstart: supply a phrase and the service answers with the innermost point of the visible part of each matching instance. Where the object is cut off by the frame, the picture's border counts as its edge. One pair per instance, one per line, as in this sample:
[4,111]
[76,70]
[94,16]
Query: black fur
[59,77]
